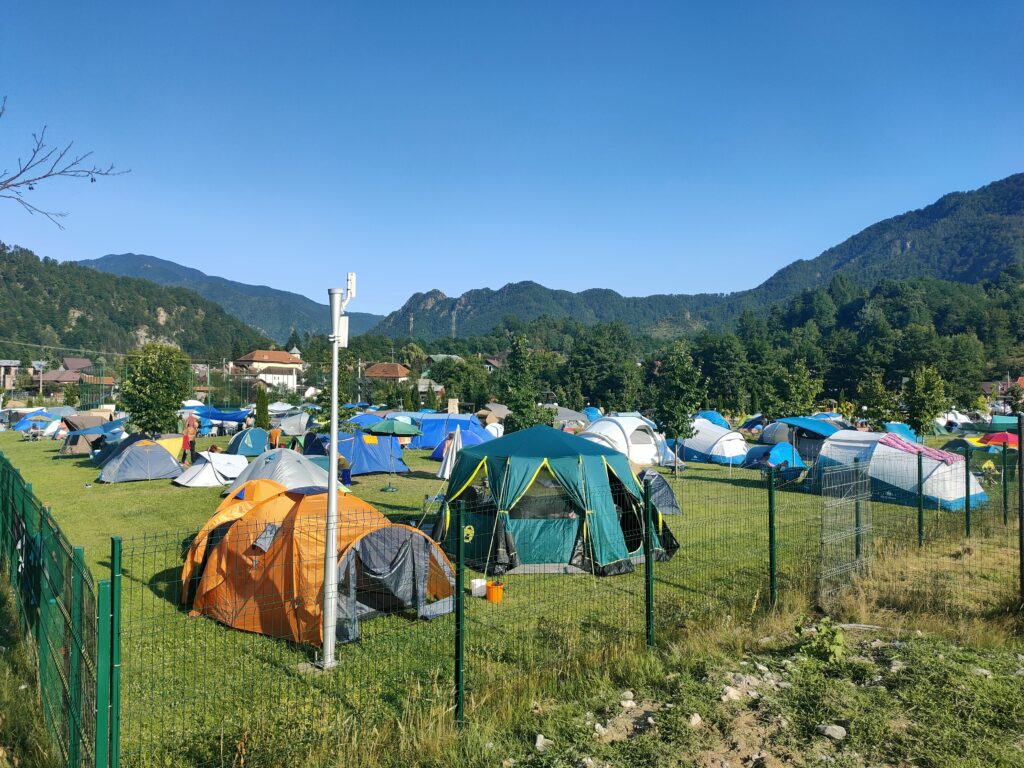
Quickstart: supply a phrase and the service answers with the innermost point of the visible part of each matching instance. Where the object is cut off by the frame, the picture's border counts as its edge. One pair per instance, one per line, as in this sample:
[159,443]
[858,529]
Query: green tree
[679,389]
[519,389]
[71,394]
[798,389]
[924,397]
[879,402]
[1015,398]
[156,382]
[262,418]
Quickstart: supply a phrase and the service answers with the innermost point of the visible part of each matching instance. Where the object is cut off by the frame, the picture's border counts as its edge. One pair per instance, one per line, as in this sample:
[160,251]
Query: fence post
[856,512]
[1020,498]
[460,614]
[967,492]
[920,500]
[103,674]
[649,560]
[75,661]
[1006,486]
[115,651]
[773,590]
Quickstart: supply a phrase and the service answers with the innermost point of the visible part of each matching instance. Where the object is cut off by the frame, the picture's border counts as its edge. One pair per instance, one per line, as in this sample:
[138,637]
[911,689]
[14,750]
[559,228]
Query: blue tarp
[367,454]
[436,426]
[100,429]
[901,429]
[468,439]
[592,413]
[209,412]
[810,424]
[39,418]
[715,418]
[779,455]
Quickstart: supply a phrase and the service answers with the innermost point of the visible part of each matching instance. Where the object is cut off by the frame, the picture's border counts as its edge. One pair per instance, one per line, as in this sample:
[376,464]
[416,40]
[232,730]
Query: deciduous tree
[156,381]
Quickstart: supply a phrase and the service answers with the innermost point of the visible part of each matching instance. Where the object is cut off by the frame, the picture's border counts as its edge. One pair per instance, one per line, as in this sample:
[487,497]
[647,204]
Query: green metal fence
[67,617]
[134,671]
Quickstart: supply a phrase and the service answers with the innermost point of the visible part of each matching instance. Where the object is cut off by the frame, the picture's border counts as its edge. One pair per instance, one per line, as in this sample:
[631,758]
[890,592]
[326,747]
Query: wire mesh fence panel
[55,598]
[222,632]
[846,543]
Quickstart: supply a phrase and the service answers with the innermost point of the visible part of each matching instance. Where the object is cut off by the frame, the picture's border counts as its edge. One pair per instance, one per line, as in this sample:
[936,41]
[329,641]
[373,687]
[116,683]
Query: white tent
[52,429]
[450,453]
[713,444]
[496,429]
[892,468]
[290,469]
[629,435]
[279,407]
[192,403]
[212,469]
[953,419]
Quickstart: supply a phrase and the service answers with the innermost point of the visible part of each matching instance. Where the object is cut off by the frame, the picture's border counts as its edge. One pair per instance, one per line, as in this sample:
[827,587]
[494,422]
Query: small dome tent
[211,470]
[892,468]
[249,442]
[142,459]
[631,436]
[290,469]
[805,432]
[544,501]
[367,454]
[711,444]
[275,548]
[781,456]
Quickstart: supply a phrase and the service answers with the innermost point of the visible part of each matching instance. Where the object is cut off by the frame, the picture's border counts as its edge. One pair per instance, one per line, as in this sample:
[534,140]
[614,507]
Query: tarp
[104,427]
[249,442]
[212,469]
[711,444]
[35,419]
[715,418]
[143,459]
[213,414]
[450,452]
[550,505]
[592,413]
[276,548]
[819,427]
[901,429]
[781,456]
[290,469]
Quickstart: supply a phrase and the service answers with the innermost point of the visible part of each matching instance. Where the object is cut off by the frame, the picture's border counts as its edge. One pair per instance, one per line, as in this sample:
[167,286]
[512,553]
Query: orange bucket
[495,591]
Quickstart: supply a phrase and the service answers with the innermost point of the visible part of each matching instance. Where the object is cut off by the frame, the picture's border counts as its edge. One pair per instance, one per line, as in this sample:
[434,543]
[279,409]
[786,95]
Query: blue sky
[646,147]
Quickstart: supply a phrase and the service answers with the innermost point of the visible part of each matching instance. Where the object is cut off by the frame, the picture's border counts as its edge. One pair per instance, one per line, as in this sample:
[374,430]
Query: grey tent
[292,423]
[661,492]
[81,445]
[143,459]
[290,469]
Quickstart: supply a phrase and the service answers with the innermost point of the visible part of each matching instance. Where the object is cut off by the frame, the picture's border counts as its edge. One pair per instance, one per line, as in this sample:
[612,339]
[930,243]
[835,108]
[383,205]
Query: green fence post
[460,614]
[649,561]
[75,661]
[1006,487]
[856,513]
[773,589]
[920,500]
[115,651]
[967,492]
[1020,499]
[103,674]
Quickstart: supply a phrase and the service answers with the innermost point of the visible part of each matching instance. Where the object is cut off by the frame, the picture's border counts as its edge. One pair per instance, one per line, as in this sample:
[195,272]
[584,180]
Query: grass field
[196,693]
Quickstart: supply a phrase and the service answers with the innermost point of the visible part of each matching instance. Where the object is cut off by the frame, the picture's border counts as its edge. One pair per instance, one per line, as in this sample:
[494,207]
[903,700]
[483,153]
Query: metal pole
[460,614]
[967,492]
[649,560]
[1020,498]
[102,743]
[115,651]
[856,514]
[773,589]
[1006,486]
[920,500]
[75,659]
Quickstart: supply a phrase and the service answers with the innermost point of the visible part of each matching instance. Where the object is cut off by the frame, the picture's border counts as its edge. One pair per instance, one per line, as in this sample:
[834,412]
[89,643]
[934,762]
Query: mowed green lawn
[197,693]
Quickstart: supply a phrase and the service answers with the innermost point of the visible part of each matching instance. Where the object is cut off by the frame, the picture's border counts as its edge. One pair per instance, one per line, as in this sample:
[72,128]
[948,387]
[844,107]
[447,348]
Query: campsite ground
[556,657]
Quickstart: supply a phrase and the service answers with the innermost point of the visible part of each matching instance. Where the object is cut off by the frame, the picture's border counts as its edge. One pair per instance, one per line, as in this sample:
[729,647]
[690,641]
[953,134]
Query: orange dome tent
[265,572]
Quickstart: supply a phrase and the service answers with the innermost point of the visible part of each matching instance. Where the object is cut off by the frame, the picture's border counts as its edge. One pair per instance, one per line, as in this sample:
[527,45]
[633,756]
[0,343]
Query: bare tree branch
[43,163]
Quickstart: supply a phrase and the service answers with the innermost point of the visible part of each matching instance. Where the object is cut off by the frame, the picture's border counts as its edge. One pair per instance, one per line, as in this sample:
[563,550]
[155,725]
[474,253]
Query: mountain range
[270,310]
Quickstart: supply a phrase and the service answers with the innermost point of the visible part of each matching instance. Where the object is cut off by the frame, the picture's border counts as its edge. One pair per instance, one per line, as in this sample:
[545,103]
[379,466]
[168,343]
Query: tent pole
[339,337]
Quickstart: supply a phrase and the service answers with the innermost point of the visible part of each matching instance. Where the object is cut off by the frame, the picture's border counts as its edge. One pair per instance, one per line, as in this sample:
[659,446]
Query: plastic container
[346,477]
[495,591]
[478,587]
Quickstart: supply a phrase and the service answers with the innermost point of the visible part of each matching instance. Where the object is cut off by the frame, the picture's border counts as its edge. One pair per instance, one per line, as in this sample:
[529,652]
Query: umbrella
[1000,438]
[392,428]
[452,451]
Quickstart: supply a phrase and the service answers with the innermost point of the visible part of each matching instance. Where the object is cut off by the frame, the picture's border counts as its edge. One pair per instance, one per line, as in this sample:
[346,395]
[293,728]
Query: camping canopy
[892,468]
[290,469]
[142,459]
[249,442]
[712,445]
[36,418]
[212,469]
[631,436]
[275,547]
[552,502]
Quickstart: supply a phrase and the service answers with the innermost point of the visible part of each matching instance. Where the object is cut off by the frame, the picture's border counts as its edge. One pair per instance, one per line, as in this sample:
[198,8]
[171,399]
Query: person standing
[188,444]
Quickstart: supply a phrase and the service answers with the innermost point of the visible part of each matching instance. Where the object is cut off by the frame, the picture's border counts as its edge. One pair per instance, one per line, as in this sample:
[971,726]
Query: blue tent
[780,455]
[142,460]
[365,419]
[367,454]
[39,418]
[901,429]
[468,439]
[715,418]
[436,426]
[592,413]
[249,442]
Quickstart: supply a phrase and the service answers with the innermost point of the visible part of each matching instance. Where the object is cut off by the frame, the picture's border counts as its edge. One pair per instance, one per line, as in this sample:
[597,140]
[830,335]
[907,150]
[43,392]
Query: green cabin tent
[544,501]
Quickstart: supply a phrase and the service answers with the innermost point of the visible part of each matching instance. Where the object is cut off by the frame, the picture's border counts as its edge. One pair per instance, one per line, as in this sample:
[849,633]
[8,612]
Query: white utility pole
[339,338]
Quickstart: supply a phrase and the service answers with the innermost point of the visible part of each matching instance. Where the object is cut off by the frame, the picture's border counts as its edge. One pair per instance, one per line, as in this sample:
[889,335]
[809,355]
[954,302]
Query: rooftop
[270,356]
[387,371]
